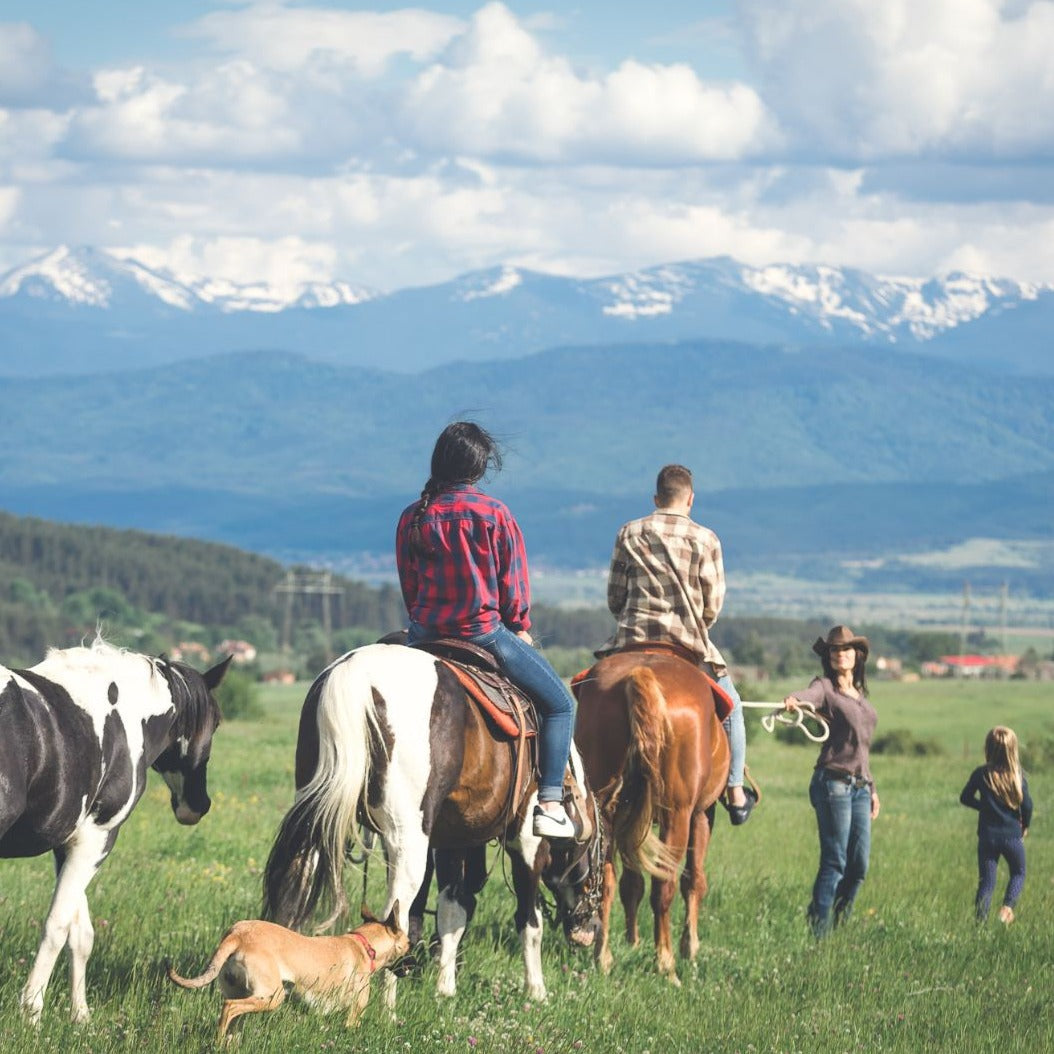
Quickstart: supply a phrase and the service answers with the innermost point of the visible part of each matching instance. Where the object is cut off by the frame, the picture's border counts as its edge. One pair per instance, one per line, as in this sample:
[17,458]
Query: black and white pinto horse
[78,733]
[389,742]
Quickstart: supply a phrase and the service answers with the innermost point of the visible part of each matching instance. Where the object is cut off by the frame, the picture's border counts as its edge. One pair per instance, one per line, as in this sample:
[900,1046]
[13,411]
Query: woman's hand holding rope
[792,712]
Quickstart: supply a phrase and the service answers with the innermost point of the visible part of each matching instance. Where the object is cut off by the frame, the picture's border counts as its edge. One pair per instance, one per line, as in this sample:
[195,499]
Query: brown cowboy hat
[839,637]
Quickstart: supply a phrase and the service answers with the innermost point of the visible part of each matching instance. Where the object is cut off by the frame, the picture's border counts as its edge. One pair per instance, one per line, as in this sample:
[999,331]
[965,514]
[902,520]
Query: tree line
[59,583]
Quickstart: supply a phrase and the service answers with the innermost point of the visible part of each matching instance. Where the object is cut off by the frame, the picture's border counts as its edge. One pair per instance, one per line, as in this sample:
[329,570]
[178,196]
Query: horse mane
[195,707]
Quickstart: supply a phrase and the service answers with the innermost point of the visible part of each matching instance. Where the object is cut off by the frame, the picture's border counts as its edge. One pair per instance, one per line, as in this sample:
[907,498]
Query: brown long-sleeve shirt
[852,723]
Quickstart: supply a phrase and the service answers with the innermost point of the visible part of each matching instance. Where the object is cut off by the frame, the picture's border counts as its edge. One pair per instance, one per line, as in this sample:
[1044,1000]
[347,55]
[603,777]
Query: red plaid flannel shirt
[469,571]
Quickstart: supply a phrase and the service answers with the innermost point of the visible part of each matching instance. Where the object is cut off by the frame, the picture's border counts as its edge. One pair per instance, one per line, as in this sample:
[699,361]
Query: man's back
[666,583]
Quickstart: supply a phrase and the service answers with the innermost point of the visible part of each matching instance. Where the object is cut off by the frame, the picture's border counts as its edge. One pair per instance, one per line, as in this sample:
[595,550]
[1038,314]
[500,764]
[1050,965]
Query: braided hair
[462,454]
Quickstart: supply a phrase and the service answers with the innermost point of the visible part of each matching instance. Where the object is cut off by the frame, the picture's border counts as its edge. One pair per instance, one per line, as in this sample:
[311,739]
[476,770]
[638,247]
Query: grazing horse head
[574,874]
[389,741]
[183,762]
[80,730]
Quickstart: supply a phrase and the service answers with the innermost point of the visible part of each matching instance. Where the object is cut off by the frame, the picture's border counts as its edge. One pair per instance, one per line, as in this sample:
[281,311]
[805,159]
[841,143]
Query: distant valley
[803,461]
[843,428]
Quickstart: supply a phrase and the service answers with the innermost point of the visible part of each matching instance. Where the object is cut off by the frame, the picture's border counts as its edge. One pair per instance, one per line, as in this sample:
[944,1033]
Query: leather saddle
[723,702]
[509,712]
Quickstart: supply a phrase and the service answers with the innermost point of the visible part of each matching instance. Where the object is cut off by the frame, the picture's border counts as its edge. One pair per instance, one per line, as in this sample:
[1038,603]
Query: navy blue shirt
[996,820]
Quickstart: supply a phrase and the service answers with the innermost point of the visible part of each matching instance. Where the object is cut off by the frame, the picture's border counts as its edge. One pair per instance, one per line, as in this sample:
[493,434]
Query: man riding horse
[666,585]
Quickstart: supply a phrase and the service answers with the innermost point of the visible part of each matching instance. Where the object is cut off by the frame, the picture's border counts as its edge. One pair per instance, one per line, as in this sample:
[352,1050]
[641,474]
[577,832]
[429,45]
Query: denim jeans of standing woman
[843,816]
[528,669]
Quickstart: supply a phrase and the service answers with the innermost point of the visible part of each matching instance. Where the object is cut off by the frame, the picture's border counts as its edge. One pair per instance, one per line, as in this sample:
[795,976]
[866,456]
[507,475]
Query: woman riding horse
[463,573]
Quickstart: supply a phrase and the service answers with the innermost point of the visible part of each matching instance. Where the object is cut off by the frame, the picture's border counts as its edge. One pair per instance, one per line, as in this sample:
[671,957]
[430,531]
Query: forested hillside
[58,582]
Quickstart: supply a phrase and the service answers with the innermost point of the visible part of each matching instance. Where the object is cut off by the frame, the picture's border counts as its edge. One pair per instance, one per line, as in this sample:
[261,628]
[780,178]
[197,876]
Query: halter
[371,952]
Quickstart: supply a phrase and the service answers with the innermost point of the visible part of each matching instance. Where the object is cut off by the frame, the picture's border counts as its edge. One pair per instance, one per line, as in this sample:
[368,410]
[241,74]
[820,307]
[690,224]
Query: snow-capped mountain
[87,310]
[88,277]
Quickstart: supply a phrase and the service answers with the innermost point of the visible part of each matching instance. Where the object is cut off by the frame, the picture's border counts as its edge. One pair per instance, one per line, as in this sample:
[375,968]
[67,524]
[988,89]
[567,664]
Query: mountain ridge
[87,310]
[805,456]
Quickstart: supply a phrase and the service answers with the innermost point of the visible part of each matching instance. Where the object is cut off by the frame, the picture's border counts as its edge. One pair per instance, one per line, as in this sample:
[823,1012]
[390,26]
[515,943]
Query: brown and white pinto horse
[654,751]
[389,742]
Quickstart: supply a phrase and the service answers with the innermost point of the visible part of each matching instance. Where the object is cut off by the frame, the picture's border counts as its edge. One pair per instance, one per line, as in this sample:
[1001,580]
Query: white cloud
[279,37]
[402,147]
[229,115]
[284,264]
[497,93]
[866,80]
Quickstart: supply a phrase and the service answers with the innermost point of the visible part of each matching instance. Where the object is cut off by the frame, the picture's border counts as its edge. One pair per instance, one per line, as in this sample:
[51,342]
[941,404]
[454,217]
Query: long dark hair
[859,669]
[462,454]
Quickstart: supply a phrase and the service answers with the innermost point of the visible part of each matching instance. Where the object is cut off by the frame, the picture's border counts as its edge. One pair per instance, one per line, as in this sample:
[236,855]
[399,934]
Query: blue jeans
[737,734]
[843,815]
[988,853]
[528,669]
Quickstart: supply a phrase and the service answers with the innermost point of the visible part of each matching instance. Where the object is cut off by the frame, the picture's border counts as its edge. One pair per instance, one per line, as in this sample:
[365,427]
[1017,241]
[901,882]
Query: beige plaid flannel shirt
[667,582]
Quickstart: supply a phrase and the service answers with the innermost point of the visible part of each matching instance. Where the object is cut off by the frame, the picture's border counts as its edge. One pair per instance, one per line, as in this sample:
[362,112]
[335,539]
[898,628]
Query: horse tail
[306,864]
[644,786]
[228,946]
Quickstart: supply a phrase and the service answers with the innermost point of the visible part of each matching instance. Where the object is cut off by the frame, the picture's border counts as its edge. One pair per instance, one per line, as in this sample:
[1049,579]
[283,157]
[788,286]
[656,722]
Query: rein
[794,718]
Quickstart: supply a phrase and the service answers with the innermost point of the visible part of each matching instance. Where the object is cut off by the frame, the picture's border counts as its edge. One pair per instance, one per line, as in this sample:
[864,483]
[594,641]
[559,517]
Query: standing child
[998,791]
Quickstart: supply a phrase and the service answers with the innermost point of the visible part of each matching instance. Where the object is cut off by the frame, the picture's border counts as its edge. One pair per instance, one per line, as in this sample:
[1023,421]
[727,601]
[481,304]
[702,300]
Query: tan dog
[256,960]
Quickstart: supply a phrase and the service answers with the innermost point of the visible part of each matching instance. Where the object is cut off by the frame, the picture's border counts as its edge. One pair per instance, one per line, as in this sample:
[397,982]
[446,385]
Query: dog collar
[370,950]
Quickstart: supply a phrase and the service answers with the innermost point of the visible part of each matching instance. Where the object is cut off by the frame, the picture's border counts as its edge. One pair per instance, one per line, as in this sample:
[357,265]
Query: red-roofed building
[980,665]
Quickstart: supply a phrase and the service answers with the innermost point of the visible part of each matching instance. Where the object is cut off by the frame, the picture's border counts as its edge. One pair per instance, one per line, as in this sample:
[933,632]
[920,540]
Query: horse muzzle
[187,815]
[584,936]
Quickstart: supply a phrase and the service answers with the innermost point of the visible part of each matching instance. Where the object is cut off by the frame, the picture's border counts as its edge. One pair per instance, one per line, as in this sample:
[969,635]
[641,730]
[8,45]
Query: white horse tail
[307,860]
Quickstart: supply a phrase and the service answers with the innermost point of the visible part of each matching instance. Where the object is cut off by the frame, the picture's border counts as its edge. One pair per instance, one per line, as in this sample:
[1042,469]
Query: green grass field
[910,972]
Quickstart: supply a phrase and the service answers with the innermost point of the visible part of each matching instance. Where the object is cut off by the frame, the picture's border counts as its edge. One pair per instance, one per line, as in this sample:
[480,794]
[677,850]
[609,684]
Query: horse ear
[213,677]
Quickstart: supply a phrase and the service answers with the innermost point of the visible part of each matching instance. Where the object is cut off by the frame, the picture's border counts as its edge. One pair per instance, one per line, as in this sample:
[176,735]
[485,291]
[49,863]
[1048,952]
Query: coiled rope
[794,717]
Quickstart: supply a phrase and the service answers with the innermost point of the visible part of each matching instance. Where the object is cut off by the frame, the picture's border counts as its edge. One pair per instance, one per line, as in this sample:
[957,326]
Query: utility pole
[964,626]
[306,584]
[1004,672]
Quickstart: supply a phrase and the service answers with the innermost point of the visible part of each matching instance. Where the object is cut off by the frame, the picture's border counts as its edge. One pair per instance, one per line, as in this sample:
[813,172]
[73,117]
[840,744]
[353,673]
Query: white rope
[794,717]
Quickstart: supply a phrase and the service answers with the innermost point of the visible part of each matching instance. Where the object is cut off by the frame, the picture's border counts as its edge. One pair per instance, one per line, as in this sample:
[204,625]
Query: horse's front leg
[526,874]
[693,881]
[674,834]
[460,875]
[67,920]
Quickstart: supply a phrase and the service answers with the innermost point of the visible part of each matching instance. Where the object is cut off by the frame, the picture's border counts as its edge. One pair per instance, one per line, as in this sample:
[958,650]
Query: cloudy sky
[390,145]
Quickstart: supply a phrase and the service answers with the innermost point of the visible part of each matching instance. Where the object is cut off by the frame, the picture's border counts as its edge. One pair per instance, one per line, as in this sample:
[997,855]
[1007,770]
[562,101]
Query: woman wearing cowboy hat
[841,791]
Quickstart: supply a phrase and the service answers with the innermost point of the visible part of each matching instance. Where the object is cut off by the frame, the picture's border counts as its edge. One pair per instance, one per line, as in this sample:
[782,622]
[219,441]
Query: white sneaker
[552,824]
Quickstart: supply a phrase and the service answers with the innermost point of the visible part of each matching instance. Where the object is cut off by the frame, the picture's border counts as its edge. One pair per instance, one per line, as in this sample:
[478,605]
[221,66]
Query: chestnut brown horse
[654,751]
[389,742]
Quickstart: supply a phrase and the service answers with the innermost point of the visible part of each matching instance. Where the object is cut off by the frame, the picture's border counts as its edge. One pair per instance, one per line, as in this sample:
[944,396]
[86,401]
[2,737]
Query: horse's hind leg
[693,881]
[416,926]
[76,865]
[81,942]
[675,836]
[459,876]
[631,893]
[407,856]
